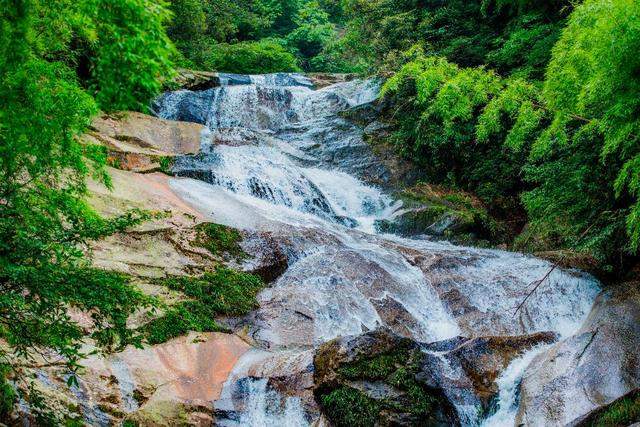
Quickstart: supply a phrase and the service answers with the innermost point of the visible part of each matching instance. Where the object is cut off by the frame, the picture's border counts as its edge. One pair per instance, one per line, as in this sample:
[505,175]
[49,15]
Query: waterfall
[266,408]
[508,384]
[282,159]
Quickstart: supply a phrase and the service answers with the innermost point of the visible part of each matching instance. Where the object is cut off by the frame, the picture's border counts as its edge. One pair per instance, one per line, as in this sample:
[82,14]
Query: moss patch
[224,292]
[166,164]
[623,412]
[220,240]
[397,368]
[346,406]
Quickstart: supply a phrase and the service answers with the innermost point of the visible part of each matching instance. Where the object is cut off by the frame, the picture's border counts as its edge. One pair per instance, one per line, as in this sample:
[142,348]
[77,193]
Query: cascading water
[279,158]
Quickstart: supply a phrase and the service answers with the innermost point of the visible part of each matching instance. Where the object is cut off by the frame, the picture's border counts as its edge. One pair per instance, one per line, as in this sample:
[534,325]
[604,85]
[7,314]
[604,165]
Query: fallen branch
[538,283]
[552,269]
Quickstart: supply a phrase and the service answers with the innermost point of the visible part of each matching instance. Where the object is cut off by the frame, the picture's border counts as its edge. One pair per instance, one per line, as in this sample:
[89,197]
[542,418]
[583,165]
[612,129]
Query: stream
[279,159]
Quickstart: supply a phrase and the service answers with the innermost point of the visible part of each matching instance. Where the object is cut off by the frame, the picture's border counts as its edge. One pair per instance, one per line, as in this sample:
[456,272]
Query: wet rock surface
[378,368]
[590,369]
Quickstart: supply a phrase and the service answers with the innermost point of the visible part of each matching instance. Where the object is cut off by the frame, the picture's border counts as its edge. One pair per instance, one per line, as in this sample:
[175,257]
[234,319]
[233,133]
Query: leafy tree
[264,56]
[313,31]
[454,122]
[53,57]
[131,53]
[189,20]
[587,160]
[514,36]
[569,146]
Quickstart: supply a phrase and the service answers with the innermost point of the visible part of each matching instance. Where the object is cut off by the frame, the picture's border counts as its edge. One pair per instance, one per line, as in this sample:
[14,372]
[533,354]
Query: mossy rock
[372,380]
[223,292]
[624,411]
[454,215]
[220,240]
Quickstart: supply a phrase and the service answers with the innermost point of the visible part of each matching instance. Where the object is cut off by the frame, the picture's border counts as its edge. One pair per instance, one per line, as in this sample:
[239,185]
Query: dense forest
[532,106]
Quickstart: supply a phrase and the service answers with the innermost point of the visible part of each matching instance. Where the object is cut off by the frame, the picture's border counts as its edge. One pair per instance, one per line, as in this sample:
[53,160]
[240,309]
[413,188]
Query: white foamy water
[283,161]
[266,408]
[126,384]
[508,384]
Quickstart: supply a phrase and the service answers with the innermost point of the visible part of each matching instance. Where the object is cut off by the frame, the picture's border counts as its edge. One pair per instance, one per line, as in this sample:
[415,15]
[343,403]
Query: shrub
[264,56]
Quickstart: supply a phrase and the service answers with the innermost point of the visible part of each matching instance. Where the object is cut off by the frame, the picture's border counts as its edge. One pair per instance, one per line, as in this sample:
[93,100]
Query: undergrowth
[220,240]
[224,292]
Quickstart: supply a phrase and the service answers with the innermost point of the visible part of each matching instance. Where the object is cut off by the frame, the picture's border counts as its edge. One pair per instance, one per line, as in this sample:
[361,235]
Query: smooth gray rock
[589,370]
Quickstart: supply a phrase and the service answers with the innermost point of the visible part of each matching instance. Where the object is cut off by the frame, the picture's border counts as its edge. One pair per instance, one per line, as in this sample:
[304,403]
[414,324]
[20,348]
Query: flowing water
[278,158]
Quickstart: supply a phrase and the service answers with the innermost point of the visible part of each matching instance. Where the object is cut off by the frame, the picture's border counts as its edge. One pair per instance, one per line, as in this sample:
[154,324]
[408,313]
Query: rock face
[139,142]
[444,213]
[467,369]
[196,80]
[321,80]
[371,380]
[171,384]
[444,383]
[400,172]
[589,370]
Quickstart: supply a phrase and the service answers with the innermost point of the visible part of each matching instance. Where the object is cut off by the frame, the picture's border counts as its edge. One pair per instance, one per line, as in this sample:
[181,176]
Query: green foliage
[223,292]
[569,147]
[50,53]
[132,53]
[220,240]
[348,407]
[264,56]
[256,35]
[454,121]
[313,31]
[592,87]
[189,19]
[515,37]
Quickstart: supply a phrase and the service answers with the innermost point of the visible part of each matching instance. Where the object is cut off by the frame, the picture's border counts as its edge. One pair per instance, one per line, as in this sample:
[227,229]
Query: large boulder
[143,143]
[467,370]
[371,379]
[174,383]
[377,134]
[455,215]
[386,379]
[589,370]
